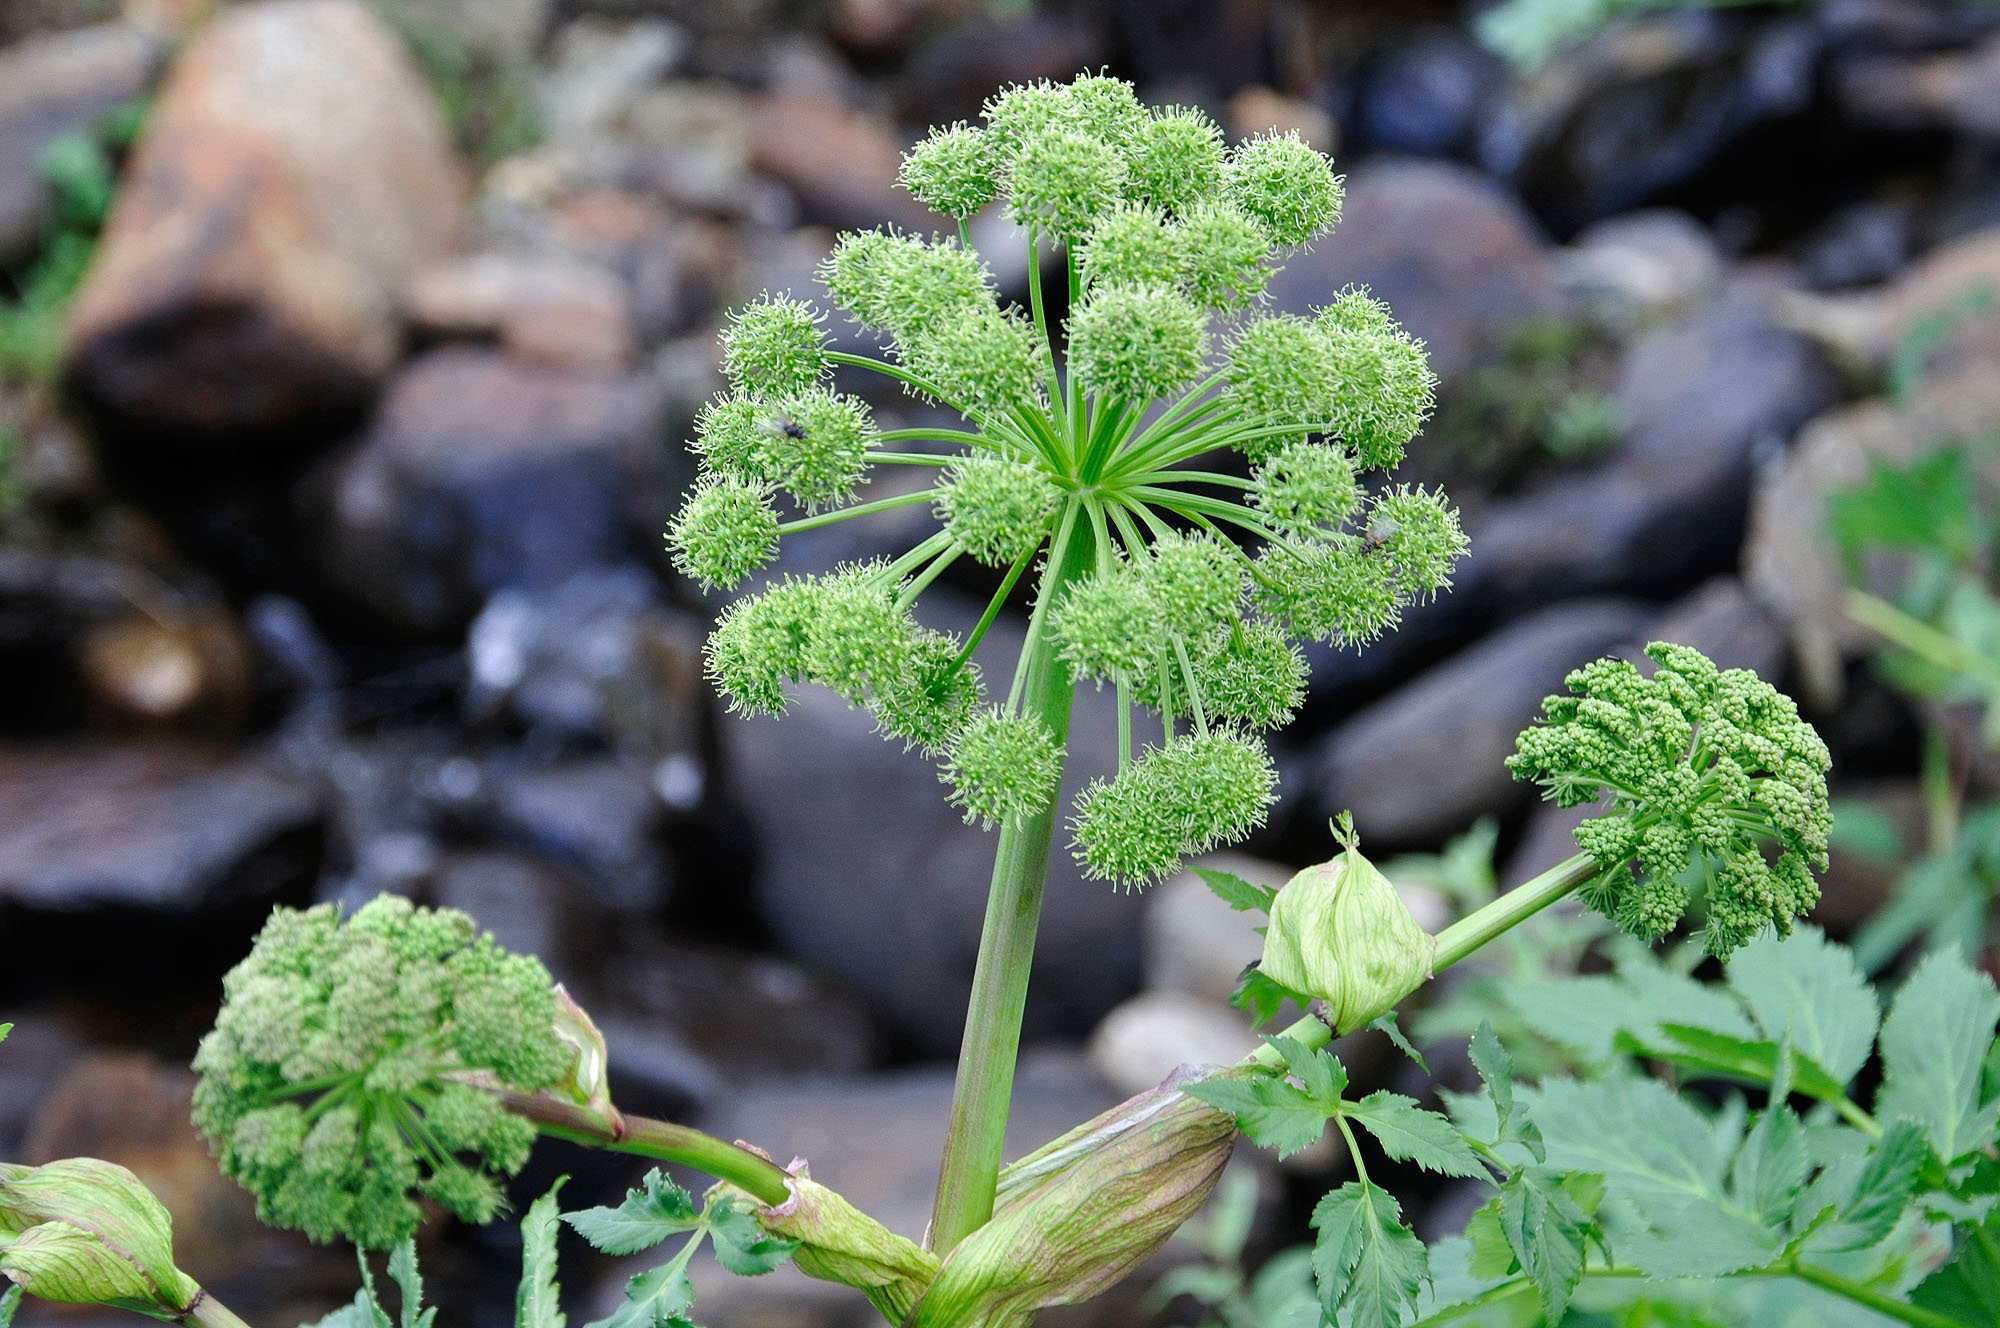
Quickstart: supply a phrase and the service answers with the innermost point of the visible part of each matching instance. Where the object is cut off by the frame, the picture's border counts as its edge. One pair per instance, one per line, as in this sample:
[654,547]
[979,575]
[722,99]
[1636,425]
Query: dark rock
[1644,107]
[186,672]
[1216,45]
[51,85]
[1858,246]
[482,473]
[48,602]
[1429,759]
[244,291]
[34,1056]
[597,817]
[865,871]
[841,163]
[1426,96]
[1702,403]
[949,76]
[564,313]
[1722,621]
[1455,256]
[517,898]
[1855,885]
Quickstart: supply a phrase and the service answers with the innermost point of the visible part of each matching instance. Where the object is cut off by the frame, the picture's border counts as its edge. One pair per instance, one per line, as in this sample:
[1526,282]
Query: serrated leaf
[1270,1112]
[1387,1024]
[1408,1133]
[741,1246]
[403,1272]
[657,1298]
[1934,1046]
[1754,1062]
[651,1213]
[1771,1166]
[1366,1261]
[1813,989]
[1492,1257]
[1238,893]
[1967,1286]
[536,1299]
[1496,1070]
[1545,1228]
[1318,1071]
[1259,997]
[5,1029]
[1889,1177]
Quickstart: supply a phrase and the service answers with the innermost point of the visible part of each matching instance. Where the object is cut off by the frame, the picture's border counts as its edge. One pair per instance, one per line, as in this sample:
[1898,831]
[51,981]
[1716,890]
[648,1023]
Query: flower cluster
[1188,487]
[1714,784]
[324,1085]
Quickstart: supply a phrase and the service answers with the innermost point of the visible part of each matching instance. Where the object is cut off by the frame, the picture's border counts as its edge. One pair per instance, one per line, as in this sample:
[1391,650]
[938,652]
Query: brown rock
[1258,109]
[555,311]
[294,174]
[841,163]
[185,671]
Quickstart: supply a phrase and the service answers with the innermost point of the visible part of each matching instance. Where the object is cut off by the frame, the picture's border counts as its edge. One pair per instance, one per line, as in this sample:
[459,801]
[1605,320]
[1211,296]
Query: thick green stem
[1525,900]
[661,1140]
[986,1057]
[208,1312]
[1879,1301]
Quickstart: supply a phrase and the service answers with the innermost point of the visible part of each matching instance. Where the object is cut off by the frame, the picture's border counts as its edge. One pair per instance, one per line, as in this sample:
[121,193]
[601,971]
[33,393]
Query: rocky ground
[333,479]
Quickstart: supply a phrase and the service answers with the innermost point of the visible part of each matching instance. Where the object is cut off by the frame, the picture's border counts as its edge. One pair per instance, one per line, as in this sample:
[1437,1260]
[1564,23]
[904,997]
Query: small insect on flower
[784,426]
[1379,532]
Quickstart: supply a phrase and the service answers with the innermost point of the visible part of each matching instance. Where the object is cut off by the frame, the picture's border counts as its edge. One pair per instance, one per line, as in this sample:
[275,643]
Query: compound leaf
[1934,1046]
[1545,1228]
[1367,1262]
[656,1210]
[1408,1133]
[1809,988]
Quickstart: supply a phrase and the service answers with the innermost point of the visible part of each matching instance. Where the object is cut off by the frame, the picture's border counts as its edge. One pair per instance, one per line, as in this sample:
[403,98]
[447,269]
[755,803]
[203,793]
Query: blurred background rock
[346,354]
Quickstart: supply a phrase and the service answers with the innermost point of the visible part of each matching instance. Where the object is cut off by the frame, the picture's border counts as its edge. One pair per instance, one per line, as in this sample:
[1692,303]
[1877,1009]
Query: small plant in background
[1540,400]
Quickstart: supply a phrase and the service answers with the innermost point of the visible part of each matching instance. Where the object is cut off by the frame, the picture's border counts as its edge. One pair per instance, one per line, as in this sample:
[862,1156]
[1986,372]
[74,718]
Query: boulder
[481,473]
[294,173]
[596,816]
[546,309]
[1145,1038]
[50,85]
[1197,944]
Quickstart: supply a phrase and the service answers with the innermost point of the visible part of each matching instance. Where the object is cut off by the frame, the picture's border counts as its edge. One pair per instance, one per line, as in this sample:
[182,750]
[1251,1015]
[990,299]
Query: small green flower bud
[1073,1218]
[1289,188]
[1306,489]
[85,1231]
[996,508]
[1195,793]
[1107,626]
[952,170]
[1338,591]
[1356,311]
[726,530]
[759,644]
[1104,108]
[1004,769]
[900,284]
[1196,582]
[774,347]
[1019,111]
[1061,182]
[1341,933]
[1174,160]
[588,1082]
[1131,247]
[1383,394]
[1223,255]
[983,361]
[1282,370]
[1137,342]
[818,447]
[732,434]
[1419,534]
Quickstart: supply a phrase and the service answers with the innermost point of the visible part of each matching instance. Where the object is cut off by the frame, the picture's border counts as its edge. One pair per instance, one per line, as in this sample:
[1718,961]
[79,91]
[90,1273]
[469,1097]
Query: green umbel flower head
[1714,786]
[332,1084]
[1087,477]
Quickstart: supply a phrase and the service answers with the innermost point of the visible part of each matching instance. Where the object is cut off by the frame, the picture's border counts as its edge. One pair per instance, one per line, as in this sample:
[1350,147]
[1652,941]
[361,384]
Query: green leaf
[1492,1256]
[403,1272]
[365,1310]
[1967,1287]
[5,1029]
[536,1300]
[1545,1228]
[1367,1262]
[1811,988]
[650,1214]
[741,1246]
[1934,1043]
[1238,893]
[1888,1179]
[1318,1071]
[1754,1062]
[1496,1069]
[1387,1024]
[1268,1110]
[10,1299]
[1261,998]
[1771,1167]
[658,1298]
[1408,1133]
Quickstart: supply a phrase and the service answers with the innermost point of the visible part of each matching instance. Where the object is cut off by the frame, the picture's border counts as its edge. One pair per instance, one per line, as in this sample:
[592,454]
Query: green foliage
[489,103]
[1529,32]
[1150,575]
[333,1084]
[536,1300]
[1542,397]
[657,1211]
[1703,770]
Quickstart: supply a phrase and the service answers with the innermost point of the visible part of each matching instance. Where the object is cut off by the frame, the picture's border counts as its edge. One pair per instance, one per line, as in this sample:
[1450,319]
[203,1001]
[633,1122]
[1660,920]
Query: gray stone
[1724,622]
[600,68]
[293,174]
[1644,264]
[504,32]
[1142,1041]
[517,898]
[1457,258]
[51,85]
[1426,95]
[547,309]
[1429,759]
[841,163]
[866,872]
[596,816]
[482,473]
[1197,944]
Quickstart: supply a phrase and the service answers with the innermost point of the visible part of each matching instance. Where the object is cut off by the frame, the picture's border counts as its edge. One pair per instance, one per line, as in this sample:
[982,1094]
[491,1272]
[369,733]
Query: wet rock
[1724,622]
[1197,944]
[1426,96]
[185,672]
[519,899]
[1788,562]
[1455,256]
[49,602]
[548,310]
[1643,264]
[1702,403]
[245,286]
[841,163]
[598,817]
[865,871]
[481,473]
[1642,107]
[1141,1041]
[1429,759]
[51,85]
